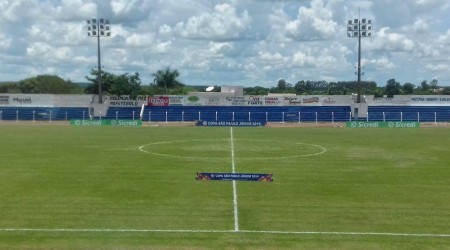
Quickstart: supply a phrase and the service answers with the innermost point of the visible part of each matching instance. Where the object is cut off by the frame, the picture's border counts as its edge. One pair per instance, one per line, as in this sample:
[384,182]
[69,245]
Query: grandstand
[225,107]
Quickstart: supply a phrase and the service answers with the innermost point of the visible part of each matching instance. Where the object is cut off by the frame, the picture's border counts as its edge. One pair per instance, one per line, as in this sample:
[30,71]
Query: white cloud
[38,49]
[248,42]
[139,40]
[224,23]
[440,67]
[382,63]
[220,48]
[445,39]
[43,51]
[313,23]
[421,26]
[385,40]
[5,41]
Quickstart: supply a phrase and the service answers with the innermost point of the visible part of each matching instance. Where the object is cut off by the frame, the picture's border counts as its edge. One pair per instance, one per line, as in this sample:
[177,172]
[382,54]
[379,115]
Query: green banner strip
[93,123]
[360,124]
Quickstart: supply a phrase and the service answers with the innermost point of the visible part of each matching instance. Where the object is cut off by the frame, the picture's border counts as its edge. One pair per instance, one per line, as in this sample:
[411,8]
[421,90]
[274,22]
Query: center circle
[243,149]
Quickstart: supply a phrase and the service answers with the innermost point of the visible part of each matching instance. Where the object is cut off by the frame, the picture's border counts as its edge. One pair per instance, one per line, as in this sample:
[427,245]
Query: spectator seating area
[43,113]
[246,113]
[409,113]
[325,109]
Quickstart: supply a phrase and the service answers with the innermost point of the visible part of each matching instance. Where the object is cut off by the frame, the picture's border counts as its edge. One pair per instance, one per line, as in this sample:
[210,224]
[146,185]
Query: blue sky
[228,42]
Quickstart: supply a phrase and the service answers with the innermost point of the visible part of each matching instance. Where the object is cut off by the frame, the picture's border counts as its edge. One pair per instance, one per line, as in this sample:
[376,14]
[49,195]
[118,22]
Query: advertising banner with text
[358,124]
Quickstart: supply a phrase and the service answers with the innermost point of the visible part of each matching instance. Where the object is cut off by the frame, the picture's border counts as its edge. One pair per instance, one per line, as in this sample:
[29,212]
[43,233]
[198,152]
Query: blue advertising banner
[234,177]
[231,123]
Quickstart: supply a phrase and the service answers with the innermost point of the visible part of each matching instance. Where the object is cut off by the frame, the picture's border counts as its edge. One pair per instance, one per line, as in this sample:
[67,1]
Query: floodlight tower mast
[359,28]
[99,28]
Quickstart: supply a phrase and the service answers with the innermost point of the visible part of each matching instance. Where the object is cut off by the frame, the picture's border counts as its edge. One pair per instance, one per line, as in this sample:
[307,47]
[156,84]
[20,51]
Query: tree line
[166,82]
[391,88]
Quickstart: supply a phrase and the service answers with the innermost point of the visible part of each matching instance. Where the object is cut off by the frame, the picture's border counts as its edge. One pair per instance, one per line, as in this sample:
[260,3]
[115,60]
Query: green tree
[167,79]
[256,91]
[282,85]
[303,88]
[47,84]
[9,87]
[106,79]
[337,88]
[424,85]
[125,84]
[392,88]
[408,88]
[434,85]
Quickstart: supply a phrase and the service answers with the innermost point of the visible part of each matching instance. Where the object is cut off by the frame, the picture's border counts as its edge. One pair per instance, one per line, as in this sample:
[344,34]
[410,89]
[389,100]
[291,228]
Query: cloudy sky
[228,42]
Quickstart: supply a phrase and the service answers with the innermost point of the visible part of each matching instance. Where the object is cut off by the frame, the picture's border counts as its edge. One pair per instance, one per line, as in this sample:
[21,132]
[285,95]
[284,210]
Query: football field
[68,187]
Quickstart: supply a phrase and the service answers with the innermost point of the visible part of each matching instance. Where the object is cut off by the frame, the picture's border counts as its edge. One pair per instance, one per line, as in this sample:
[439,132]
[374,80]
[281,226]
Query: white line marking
[111,230]
[322,149]
[233,169]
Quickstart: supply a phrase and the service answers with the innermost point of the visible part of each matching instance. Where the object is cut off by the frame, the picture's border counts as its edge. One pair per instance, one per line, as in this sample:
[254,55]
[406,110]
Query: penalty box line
[106,230]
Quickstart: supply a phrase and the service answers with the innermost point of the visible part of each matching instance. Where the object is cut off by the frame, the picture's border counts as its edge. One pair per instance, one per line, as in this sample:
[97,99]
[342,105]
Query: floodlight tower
[359,28]
[99,28]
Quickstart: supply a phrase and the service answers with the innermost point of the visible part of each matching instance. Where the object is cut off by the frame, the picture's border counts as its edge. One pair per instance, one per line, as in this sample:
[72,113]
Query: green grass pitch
[67,187]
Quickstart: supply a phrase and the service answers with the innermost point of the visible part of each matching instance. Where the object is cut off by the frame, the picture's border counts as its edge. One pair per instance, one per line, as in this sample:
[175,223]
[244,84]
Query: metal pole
[358,98]
[99,71]
[249,116]
[33,114]
[359,28]
[316,117]
[98,27]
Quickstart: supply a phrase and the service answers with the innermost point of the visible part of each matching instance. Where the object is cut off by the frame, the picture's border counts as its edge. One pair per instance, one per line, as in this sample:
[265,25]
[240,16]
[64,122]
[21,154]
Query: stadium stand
[223,107]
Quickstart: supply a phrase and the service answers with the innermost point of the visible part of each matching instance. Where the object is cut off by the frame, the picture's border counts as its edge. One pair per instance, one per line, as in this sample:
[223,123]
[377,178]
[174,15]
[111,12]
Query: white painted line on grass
[322,150]
[111,230]
[233,169]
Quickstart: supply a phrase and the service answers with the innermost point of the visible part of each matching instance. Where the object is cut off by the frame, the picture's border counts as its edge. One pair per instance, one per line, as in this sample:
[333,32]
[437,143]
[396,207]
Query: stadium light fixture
[99,28]
[359,27]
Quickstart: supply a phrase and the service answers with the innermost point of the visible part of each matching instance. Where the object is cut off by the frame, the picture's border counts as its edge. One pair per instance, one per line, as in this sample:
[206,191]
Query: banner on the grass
[106,122]
[358,124]
[231,123]
[233,177]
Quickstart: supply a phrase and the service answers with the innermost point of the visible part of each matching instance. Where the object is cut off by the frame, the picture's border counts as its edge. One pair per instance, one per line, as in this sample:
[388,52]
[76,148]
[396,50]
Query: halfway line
[236,219]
